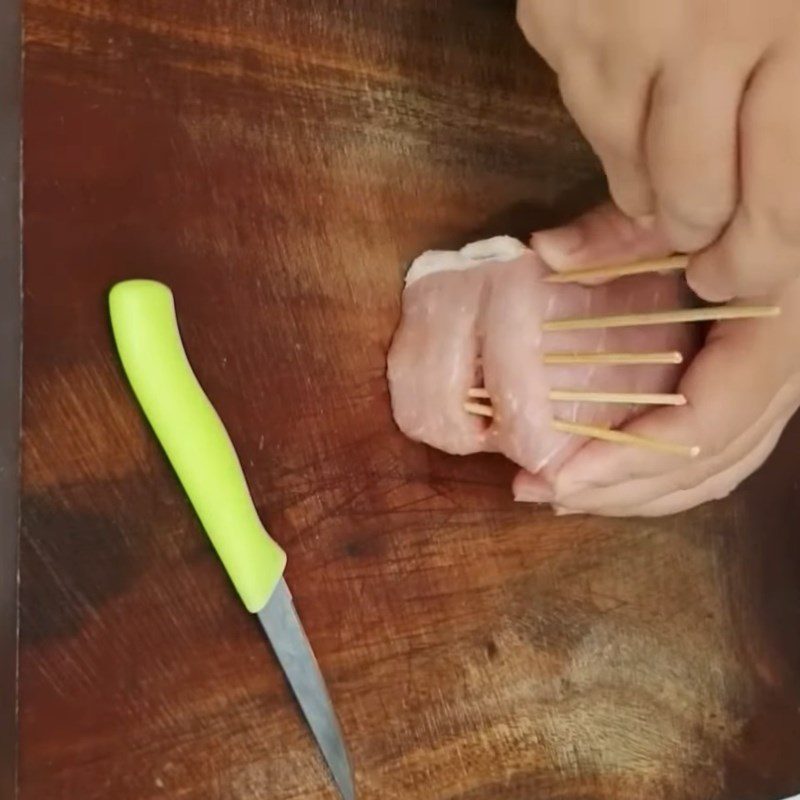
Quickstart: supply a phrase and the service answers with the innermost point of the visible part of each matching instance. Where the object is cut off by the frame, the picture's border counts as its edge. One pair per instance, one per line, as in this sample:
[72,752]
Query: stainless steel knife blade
[288,639]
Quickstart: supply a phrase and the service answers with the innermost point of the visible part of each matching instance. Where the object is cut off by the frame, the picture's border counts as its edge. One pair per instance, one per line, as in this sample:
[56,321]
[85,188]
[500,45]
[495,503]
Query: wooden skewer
[619,359]
[631,398]
[569,396]
[662,317]
[605,434]
[669,264]
[621,437]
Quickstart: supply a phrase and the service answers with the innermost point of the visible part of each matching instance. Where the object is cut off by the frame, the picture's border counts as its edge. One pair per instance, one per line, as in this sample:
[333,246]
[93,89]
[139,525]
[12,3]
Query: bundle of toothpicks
[479,399]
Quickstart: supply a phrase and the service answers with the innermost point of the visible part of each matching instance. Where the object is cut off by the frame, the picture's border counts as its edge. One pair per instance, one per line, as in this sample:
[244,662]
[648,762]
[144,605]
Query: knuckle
[609,122]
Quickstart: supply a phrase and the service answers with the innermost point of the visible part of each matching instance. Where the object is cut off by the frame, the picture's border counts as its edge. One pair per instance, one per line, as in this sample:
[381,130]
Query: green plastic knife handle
[195,440]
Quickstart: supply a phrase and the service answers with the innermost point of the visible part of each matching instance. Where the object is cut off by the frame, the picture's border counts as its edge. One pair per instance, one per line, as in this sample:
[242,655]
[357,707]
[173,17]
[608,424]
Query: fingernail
[533,494]
[557,244]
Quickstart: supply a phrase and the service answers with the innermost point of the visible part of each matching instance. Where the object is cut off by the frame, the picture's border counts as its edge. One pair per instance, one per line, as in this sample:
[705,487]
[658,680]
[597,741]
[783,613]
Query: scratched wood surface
[278,163]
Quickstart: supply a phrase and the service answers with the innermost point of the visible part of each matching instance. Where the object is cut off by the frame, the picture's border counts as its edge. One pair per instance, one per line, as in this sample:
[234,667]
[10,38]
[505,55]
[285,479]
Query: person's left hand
[742,388]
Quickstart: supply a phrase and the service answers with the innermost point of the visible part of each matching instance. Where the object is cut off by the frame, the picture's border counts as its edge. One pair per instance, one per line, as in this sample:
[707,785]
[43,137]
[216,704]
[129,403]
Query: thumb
[597,238]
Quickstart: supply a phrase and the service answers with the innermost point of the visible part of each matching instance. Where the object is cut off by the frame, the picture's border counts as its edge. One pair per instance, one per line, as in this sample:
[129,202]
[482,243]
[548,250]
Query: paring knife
[190,431]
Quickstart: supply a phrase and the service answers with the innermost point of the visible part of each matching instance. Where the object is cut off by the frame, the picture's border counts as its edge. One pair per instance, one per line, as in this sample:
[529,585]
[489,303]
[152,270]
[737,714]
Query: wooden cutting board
[10,349]
[278,163]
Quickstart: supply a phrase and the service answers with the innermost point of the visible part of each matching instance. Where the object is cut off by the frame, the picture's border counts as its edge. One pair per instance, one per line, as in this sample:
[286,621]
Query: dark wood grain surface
[10,364]
[278,163]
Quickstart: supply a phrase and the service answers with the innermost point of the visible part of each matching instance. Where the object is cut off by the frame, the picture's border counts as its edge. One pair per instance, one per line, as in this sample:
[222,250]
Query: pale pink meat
[479,322]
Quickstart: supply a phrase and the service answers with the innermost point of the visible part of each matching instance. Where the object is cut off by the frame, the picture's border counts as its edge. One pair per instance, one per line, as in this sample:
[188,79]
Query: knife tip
[343,777]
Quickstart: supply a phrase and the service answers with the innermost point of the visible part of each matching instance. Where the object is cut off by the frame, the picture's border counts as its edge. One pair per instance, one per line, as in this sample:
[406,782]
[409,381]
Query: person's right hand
[742,388]
[693,107]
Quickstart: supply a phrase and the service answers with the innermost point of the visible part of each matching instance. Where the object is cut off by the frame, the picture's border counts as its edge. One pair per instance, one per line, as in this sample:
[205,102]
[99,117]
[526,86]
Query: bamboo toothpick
[604,434]
[570,396]
[669,264]
[621,437]
[629,398]
[615,359]
[479,409]
[662,317]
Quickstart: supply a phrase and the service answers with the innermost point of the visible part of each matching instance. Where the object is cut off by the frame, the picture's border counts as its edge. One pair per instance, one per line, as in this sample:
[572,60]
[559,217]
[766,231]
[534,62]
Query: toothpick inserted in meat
[614,359]
[604,434]
[570,396]
[629,398]
[662,317]
[479,409]
[622,437]
[669,264]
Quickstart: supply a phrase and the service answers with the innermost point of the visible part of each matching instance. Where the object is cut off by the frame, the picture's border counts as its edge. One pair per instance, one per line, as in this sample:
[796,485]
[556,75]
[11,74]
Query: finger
[608,102]
[712,419]
[714,487]
[599,237]
[530,488]
[717,486]
[691,148]
[628,497]
[744,367]
[760,251]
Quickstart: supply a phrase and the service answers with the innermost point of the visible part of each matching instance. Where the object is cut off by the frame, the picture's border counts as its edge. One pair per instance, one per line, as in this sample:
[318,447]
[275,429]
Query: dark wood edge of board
[10,379]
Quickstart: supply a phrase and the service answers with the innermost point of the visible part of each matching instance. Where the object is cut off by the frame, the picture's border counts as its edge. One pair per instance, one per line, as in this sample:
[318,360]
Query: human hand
[742,388]
[693,107]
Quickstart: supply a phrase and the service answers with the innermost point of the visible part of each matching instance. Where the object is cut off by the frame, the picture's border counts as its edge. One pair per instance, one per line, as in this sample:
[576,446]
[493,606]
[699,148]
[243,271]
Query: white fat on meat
[499,248]
[474,317]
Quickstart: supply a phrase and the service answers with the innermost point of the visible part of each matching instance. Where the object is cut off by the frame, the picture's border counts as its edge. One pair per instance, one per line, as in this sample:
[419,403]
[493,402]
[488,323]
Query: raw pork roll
[474,318]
